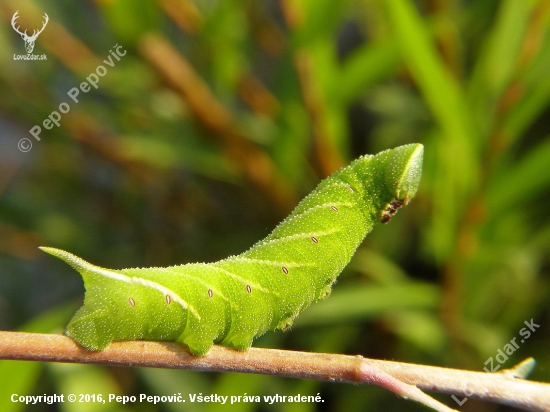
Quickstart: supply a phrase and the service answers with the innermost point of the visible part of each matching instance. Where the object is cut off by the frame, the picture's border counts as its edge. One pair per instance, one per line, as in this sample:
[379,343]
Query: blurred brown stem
[501,387]
[328,155]
[182,77]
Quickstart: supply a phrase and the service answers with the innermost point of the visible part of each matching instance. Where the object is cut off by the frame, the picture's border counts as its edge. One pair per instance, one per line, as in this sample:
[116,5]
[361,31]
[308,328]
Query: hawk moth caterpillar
[235,300]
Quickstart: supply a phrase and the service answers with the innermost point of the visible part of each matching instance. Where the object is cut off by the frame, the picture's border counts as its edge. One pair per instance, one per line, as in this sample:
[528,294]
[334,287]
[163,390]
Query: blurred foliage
[222,114]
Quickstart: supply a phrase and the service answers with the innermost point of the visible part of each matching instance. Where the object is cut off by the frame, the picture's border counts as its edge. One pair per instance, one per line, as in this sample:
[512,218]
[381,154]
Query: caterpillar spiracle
[233,301]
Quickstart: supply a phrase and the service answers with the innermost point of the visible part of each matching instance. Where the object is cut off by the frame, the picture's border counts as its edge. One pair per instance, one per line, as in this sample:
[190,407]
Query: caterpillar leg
[239,341]
[91,328]
[245,329]
[197,344]
[200,340]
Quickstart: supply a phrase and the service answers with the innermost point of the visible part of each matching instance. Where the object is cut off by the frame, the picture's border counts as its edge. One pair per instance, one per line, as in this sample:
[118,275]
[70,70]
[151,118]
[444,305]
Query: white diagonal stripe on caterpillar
[295,236]
[317,207]
[333,183]
[166,292]
[198,279]
[271,262]
[242,280]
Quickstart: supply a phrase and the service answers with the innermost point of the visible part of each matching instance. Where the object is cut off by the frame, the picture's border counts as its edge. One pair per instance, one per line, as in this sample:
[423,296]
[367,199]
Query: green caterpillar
[235,300]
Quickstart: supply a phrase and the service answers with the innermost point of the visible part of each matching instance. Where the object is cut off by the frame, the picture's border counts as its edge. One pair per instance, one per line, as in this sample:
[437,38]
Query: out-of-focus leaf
[354,302]
[536,86]
[91,385]
[441,90]
[377,267]
[20,378]
[369,64]
[316,20]
[226,33]
[165,382]
[522,182]
[500,65]
[240,384]
[454,157]
[419,328]
[130,18]
[169,155]
[505,42]
[527,110]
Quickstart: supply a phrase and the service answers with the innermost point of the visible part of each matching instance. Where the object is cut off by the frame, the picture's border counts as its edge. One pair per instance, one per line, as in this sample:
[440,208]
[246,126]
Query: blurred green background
[221,115]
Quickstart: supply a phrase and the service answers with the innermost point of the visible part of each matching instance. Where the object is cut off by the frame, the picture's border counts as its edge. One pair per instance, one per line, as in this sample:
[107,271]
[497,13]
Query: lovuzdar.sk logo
[29,40]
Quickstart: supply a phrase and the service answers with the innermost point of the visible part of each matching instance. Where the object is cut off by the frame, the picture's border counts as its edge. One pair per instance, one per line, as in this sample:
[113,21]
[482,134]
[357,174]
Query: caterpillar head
[390,178]
[403,171]
[402,174]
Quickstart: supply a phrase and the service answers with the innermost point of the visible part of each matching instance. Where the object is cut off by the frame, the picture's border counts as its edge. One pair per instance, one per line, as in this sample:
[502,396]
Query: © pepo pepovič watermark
[92,80]
[524,368]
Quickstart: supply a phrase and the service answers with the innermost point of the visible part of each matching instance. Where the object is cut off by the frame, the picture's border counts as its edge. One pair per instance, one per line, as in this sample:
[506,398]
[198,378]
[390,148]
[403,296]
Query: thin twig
[495,387]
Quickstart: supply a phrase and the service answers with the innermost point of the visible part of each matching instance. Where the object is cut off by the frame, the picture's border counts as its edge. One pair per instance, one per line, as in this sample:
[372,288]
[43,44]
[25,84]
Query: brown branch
[500,388]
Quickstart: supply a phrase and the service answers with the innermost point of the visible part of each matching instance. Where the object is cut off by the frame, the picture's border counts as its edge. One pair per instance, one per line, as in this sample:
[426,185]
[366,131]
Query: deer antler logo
[29,40]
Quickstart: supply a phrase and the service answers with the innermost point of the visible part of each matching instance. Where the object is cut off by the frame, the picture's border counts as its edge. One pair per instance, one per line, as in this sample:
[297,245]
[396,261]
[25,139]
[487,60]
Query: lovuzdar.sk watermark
[92,80]
[29,40]
[502,356]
